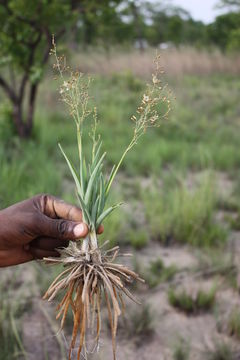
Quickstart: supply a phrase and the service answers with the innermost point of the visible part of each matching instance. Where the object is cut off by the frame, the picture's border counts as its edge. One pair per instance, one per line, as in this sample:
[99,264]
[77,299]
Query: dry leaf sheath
[91,272]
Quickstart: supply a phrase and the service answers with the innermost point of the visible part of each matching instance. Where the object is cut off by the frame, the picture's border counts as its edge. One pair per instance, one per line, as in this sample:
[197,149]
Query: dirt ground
[42,340]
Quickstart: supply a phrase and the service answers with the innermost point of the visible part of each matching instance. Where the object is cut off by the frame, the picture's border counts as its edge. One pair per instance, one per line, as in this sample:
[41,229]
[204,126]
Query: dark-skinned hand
[35,228]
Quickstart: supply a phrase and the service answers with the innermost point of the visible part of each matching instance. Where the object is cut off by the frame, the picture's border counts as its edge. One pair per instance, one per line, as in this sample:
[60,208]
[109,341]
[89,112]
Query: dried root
[86,279]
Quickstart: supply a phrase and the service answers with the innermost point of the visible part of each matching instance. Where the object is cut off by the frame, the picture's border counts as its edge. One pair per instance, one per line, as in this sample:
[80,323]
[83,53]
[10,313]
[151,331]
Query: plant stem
[90,242]
[79,140]
[119,164]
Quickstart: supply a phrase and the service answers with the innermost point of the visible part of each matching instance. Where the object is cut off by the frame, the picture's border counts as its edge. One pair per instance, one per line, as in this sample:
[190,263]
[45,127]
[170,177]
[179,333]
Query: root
[84,281]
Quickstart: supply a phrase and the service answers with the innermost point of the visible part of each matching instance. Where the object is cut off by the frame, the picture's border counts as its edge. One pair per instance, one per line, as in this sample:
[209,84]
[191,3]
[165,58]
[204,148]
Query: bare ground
[39,330]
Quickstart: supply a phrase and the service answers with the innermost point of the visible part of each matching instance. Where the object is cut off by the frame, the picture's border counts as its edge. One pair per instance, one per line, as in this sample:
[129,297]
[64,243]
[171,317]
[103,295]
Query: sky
[199,9]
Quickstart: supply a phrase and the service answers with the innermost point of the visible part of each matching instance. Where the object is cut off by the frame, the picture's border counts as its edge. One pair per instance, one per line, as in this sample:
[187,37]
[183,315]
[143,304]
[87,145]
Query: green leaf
[101,195]
[73,171]
[85,211]
[82,174]
[106,213]
[109,179]
[96,157]
[92,180]
[94,211]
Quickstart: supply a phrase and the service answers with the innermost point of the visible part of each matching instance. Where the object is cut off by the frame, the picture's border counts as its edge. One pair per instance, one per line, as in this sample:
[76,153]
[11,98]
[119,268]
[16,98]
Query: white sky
[200,9]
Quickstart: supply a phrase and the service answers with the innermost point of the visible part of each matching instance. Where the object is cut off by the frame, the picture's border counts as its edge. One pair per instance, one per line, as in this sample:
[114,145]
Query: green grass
[221,352]
[138,324]
[191,304]
[181,351]
[158,273]
[11,310]
[234,323]
[177,214]
[138,239]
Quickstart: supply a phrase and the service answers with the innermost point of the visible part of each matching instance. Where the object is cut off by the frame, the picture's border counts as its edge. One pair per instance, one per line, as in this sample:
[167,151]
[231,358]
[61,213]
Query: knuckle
[41,200]
[62,228]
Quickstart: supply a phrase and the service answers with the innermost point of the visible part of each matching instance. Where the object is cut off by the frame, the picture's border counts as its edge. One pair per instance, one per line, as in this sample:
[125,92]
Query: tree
[229,3]
[224,32]
[25,42]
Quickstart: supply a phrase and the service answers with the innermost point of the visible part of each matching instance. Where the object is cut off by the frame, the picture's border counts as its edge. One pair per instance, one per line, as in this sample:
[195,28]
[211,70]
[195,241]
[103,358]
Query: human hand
[34,228]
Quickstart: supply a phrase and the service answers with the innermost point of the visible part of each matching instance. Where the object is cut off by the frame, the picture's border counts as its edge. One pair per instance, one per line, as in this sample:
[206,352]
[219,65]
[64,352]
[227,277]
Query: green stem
[119,164]
[79,140]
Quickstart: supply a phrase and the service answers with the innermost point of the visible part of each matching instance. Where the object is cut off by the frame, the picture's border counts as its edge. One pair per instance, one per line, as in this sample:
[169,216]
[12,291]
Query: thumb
[64,229]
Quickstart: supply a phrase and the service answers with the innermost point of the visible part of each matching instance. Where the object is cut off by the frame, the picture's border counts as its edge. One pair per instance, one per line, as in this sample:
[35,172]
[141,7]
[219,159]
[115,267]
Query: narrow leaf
[101,196]
[73,171]
[106,213]
[94,211]
[109,179]
[96,157]
[82,174]
[85,211]
[92,179]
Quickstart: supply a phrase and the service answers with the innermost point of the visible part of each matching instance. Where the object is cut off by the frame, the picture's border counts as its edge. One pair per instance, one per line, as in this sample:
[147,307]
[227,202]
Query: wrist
[3,223]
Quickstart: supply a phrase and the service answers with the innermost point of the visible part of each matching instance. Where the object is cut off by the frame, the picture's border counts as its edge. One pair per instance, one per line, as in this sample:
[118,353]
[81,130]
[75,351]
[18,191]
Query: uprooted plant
[90,270]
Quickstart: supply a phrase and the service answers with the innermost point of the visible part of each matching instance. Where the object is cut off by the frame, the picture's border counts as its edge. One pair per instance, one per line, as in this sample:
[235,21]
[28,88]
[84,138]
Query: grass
[181,351]
[10,329]
[138,324]
[191,304]
[138,239]
[234,323]
[158,273]
[221,352]
[183,215]
[202,134]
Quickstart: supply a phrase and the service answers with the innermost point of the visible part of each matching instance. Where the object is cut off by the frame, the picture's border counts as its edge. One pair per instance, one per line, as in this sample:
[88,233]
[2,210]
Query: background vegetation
[181,187]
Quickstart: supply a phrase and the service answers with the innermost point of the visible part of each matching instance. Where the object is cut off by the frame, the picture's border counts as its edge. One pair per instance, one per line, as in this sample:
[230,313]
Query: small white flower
[155,80]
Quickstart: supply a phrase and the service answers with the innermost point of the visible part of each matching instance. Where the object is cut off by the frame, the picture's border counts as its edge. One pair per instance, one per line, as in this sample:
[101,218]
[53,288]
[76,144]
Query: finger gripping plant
[90,270]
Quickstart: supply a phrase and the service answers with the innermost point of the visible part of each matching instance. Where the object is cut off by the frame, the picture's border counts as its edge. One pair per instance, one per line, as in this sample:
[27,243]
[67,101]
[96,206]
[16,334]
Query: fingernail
[80,230]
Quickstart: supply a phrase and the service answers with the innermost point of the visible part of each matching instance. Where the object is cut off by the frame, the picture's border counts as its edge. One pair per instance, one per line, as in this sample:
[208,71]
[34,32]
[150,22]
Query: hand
[34,228]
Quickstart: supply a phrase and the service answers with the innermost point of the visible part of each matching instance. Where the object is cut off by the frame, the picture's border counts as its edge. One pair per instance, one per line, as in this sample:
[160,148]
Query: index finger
[58,209]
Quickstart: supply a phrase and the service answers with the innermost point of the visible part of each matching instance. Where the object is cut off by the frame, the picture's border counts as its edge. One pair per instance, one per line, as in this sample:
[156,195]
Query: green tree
[234,4]
[25,42]
[26,39]
[224,32]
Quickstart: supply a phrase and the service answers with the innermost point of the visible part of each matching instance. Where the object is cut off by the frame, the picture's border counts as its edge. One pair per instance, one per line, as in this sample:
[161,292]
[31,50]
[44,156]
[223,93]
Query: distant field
[181,188]
[176,62]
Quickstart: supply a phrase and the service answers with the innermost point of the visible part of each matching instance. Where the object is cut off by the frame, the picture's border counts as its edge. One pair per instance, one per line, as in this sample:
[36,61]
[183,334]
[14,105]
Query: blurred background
[180,187]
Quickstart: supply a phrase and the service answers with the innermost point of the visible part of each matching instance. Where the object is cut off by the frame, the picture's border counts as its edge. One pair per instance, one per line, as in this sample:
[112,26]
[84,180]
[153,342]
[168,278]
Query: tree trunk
[24,125]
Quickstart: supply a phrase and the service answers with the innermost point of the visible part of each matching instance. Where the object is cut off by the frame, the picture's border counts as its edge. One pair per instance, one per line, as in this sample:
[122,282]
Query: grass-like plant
[222,351]
[234,323]
[190,304]
[184,216]
[159,273]
[90,270]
